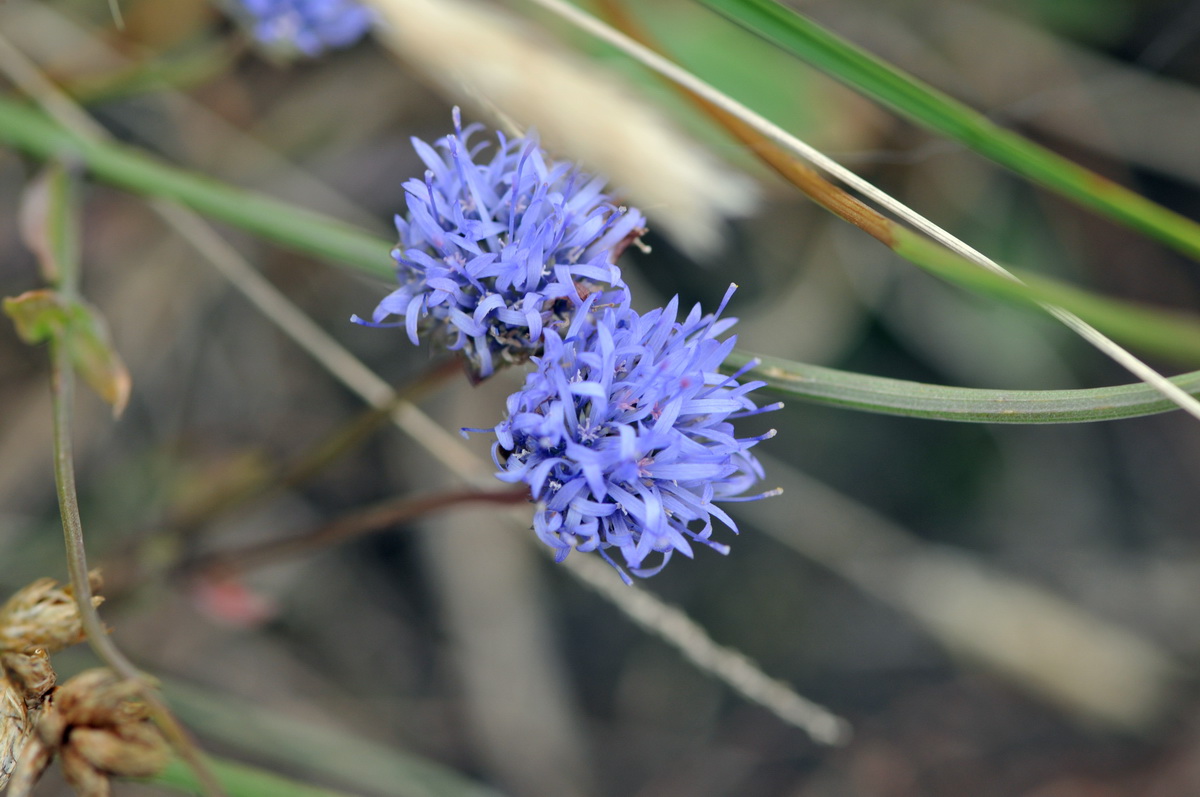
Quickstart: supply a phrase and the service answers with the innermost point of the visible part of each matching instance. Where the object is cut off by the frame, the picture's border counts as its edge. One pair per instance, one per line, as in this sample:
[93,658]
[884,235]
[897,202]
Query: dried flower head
[14,728]
[43,615]
[98,729]
[623,435]
[310,26]
[494,249]
[26,680]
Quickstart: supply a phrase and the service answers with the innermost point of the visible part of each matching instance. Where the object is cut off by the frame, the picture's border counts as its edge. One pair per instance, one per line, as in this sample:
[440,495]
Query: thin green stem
[63,386]
[293,227]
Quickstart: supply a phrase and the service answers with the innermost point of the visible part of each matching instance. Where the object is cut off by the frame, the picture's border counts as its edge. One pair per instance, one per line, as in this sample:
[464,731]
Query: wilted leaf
[95,358]
[47,222]
[35,225]
[44,314]
[39,315]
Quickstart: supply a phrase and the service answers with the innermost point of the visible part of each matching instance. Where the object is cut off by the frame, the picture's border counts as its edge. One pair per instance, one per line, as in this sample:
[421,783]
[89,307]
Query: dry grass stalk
[485,56]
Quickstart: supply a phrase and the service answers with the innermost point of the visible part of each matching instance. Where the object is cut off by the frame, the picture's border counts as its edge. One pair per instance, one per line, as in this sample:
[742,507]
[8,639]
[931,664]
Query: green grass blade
[939,112]
[850,390]
[334,755]
[238,780]
[289,225]
[1166,334]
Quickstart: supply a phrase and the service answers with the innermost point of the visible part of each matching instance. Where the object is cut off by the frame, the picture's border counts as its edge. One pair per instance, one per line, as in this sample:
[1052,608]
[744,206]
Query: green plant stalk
[62,221]
[288,225]
[925,105]
[877,394]
[63,380]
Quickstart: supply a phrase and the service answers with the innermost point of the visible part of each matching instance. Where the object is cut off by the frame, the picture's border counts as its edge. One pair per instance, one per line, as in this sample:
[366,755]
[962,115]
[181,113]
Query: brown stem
[347,527]
[316,458]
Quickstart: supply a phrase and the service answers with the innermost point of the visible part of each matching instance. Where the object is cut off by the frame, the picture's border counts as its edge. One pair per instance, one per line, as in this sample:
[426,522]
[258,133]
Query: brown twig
[356,524]
[325,452]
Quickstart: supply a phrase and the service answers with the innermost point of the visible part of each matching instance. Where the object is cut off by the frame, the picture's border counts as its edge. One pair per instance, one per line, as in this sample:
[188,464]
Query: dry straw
[489,58]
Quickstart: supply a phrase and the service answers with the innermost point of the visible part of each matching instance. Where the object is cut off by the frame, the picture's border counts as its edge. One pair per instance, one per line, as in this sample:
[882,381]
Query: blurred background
[995,610]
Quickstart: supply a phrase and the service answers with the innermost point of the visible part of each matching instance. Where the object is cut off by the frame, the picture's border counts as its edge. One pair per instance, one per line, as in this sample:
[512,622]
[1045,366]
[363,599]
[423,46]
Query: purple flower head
[310,26]
[498,246]
[623,434]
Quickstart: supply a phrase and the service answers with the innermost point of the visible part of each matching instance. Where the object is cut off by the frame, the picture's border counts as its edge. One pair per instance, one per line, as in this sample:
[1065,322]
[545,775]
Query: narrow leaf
[927,106]
[334,754]
[289,225]
[238,780]
[38,315]
[45,315]
[95,358]
[48,221]
[822,385]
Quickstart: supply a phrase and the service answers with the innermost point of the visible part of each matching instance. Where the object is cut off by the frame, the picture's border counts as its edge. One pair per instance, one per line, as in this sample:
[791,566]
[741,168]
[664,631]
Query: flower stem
[63,389]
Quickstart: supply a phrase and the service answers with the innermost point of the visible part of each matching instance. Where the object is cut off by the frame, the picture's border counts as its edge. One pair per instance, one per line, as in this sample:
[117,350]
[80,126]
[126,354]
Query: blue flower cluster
[622,429]
[493,253]
[622,433]
[310,26]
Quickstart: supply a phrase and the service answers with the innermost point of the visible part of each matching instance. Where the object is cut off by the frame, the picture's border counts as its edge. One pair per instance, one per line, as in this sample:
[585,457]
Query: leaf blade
[822,385]
[932,109]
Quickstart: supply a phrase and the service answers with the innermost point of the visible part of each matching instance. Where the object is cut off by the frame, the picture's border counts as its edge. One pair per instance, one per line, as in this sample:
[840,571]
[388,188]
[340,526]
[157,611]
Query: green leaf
[238,780]
[925,105]
[289,225]
[1165,333]
[39,315]
[46,315]
[335,755]
[1156,330]
[95,358]
[918,400]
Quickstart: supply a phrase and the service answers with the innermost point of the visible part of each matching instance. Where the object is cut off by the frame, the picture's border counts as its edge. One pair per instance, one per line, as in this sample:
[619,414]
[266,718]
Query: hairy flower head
[310,26]
[623,435]
[498,246]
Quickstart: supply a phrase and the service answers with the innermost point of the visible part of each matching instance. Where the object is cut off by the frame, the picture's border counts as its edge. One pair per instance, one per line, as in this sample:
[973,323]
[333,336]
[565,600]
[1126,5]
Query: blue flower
[497,248]
[623,434]
[311,26]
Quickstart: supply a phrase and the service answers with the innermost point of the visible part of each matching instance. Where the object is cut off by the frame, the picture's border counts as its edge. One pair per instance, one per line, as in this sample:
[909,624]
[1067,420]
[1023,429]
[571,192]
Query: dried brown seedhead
[15,727]
[98,729]
[43,615]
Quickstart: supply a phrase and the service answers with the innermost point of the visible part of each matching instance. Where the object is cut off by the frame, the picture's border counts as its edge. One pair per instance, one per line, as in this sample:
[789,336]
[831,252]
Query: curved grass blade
[851,390]
[292,226]
[905,242]
[238,780]
[925,105]
[333,754]
[302,230]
